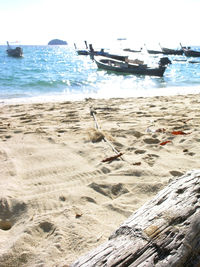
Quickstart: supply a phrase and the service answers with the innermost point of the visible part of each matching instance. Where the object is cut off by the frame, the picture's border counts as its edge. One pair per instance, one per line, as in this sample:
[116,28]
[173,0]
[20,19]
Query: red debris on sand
[137,163]
[165,142]
[179,133]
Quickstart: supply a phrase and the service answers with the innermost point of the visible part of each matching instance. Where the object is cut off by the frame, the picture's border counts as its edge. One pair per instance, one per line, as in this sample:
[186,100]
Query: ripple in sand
[140,151]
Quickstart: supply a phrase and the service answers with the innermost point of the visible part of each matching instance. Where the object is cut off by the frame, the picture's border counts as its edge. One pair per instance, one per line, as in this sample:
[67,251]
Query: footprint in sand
[135,133]
[191,153]
[151,141]
[46,226]
[140,151]
[11,210]
[88,199]
[109,190]
[150,159]
[7,136]
[176,173]
[118,145]
[147,188]
[17,131]
[118,209]
[51,140]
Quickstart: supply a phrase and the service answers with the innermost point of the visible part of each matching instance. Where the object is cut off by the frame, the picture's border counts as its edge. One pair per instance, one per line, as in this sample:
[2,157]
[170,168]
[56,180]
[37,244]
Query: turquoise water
[57,73]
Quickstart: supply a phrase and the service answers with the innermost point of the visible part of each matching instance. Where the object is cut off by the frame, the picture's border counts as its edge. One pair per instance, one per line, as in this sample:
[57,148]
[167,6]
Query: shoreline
[59,199]
[170,91]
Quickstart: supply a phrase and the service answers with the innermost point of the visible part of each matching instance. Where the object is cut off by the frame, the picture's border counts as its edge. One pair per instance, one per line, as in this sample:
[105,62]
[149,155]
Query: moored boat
[81,51]
[114,56]
[131,67]
[154,52]
[105,54]
[188,52]
[191,53]
[14,52]
[169,51]
[132,50]
[91,52]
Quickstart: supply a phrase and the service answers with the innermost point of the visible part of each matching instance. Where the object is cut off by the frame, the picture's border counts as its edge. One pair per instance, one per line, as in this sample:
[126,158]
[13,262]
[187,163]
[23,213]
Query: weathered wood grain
[163,232]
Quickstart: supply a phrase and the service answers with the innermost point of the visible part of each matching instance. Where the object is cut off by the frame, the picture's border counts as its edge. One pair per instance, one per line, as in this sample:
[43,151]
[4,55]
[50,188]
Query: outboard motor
[164,61]
[91,48]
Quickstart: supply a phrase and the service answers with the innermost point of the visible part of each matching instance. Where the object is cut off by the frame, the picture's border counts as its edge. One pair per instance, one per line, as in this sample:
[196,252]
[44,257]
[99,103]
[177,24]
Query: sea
[57,73]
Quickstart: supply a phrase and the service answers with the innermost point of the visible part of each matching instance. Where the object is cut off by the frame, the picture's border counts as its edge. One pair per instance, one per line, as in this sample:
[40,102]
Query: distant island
[57,42]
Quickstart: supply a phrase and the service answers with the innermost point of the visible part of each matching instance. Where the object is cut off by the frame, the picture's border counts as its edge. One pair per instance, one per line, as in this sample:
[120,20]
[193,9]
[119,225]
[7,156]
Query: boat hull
[108,55]
[191,53]
[154,52]
[17,52]
[113,56]
[83,52]
[168,51]
[132,50]
[92,54]
[126,68]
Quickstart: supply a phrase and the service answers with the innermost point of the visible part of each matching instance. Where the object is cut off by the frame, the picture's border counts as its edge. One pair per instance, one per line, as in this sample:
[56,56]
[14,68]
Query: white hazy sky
[141,21]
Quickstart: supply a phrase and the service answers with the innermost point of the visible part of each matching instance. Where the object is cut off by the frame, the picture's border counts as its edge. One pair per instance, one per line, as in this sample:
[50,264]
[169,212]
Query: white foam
[105,92]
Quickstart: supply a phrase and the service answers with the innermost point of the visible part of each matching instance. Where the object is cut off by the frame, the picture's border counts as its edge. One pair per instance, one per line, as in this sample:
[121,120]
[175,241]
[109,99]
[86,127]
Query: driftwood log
[163,232]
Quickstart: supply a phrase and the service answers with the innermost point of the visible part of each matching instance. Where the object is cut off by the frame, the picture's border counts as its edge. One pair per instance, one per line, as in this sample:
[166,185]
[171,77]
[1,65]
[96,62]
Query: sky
[168,22]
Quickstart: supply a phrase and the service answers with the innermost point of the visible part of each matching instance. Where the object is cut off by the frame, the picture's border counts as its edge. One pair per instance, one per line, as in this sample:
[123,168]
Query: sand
[61,194]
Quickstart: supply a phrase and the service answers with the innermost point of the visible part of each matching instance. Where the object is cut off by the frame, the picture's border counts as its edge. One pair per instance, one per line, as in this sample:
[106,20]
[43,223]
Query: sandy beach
[63,191]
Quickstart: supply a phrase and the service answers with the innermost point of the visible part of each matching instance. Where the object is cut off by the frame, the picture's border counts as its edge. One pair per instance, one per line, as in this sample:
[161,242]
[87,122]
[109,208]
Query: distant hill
[57,42]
